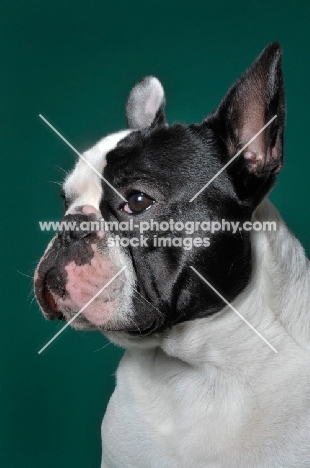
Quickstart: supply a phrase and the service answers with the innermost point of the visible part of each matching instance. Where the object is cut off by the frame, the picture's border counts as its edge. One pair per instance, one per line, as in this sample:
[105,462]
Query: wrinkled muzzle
[74,268]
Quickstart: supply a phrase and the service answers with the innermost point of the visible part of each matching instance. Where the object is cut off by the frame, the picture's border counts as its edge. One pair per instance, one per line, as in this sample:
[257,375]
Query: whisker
[23,274]
[55,166]
[134,323]
[99,349]
[55,182]
[137,292]
[31,301]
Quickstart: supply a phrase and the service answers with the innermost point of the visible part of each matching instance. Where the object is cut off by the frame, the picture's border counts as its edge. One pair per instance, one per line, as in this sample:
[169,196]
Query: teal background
[75,62]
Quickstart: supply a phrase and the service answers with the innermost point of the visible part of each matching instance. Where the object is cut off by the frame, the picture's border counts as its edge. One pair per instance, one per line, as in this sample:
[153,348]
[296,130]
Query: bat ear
[255,98]
[145,105]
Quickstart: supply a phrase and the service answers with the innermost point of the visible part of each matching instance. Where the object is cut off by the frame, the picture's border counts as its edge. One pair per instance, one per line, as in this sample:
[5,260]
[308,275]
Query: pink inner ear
[151,105]
[253,157]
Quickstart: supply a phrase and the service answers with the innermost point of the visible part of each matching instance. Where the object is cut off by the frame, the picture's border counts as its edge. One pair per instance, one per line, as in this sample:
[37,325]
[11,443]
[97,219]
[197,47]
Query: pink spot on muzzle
[84,282]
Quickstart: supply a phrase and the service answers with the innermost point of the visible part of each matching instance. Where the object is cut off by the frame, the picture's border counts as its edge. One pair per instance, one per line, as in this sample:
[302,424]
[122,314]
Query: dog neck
[275,303]
[278,290]
[284,274]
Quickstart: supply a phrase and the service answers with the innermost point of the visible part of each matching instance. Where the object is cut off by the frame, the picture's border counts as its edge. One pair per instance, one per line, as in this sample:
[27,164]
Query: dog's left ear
[145,105]
[256,97]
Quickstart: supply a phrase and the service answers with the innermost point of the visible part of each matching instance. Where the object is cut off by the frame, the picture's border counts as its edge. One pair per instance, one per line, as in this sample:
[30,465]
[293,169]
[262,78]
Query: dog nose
[75,227]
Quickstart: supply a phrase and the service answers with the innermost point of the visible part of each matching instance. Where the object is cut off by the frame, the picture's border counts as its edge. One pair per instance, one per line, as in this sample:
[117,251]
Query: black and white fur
[196,387]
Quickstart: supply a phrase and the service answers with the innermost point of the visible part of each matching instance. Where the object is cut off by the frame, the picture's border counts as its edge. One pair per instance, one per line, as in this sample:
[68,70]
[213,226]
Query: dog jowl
[196,387]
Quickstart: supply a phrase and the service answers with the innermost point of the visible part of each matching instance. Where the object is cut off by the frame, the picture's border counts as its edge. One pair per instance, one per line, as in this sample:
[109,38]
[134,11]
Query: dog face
[157,169]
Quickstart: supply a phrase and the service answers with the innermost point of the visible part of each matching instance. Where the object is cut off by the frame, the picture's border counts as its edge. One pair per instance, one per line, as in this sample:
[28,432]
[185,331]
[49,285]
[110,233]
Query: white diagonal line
[83,308]
[83,158]
[137,292]
[233,158]
[235,310]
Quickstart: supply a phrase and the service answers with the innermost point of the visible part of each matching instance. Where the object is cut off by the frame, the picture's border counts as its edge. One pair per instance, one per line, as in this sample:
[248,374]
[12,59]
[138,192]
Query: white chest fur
[212,394]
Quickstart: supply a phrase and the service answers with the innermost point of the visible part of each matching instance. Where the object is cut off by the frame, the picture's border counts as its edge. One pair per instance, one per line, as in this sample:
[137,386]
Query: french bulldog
[197,387]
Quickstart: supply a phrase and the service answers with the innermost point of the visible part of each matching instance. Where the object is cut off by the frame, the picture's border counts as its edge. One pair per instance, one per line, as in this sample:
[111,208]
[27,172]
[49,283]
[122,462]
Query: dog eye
[138,202]
[63,196]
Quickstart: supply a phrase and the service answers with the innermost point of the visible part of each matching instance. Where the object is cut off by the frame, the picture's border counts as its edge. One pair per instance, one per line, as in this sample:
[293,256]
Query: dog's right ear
[145,105]
[254,100]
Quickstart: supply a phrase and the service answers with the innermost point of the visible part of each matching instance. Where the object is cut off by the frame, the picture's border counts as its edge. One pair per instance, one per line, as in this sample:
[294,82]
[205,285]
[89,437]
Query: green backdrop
[75,62]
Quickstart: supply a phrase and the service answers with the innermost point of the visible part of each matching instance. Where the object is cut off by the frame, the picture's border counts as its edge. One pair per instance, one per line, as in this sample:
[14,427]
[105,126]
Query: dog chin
[128,341]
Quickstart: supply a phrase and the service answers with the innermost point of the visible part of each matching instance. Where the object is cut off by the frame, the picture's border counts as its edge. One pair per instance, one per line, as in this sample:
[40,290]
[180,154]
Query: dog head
[151,172]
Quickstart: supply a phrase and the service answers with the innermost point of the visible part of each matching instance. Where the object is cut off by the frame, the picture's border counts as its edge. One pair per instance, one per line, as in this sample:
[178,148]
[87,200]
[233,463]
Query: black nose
[74,227]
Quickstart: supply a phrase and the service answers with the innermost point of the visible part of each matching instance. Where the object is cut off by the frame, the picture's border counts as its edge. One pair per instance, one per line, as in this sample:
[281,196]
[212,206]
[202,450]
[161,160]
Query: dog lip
[52,304]
[47,301]
[149,330]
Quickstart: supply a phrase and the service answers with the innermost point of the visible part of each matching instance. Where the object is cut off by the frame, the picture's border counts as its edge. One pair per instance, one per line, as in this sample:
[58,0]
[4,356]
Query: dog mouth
[64,288]
[148,330]
[52,304]
[63,293]
[46,299]
[52,311]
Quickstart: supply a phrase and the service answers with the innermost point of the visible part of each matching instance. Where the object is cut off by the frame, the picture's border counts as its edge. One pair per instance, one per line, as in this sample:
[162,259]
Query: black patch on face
[171,177]
[171,164]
